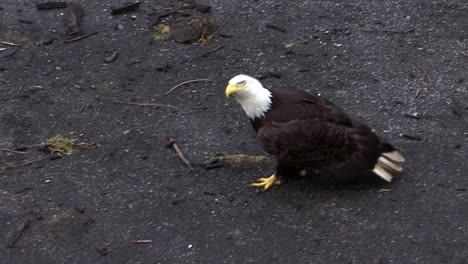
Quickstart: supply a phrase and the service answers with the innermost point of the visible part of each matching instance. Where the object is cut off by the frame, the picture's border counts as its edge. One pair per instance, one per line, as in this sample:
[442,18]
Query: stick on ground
[25,163]
[13,151]
[145,104]
[173,144]
[428,77]
[9,44]
[186,82]
[24,225]
[141,241]
[80,37]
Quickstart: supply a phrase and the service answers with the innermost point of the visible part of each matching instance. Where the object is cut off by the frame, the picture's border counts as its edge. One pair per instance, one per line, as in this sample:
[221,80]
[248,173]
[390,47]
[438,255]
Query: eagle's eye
[242,83]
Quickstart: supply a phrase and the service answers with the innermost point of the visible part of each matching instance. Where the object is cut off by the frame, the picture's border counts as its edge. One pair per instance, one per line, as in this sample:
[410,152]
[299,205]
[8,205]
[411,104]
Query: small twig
[412,116]
[24,225]
[411,29]
[172,144]
[13,151]
[418,91]
[461,46]
[428,77]
[275,27]
[145,104]
[11,54]
[10,44]
[206,54]
[25,163]
[80,37]
[186,82]
[141,241]
[411,137]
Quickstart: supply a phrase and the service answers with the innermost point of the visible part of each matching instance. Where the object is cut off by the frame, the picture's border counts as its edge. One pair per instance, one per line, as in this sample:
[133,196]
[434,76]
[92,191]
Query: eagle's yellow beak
[233,88]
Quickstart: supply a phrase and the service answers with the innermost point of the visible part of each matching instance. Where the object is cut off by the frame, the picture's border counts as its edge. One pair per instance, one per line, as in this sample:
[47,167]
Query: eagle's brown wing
[318,144]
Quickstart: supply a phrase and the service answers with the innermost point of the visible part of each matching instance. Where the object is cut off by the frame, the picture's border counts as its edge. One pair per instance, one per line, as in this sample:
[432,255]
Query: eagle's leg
[266,183]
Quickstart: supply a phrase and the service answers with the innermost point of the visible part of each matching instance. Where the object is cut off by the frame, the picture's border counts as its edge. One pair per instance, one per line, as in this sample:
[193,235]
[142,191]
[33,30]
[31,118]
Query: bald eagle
[309,133]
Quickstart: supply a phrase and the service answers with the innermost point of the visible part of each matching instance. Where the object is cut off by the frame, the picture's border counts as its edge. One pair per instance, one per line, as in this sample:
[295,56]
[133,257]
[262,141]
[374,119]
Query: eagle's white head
[251,95]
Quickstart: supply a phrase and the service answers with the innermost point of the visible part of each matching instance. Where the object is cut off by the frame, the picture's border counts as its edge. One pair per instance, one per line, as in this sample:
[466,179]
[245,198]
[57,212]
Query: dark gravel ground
[370,57]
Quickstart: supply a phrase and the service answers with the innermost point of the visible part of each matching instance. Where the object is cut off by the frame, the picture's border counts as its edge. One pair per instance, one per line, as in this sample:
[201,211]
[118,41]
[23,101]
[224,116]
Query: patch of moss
[61,145]
[162,31]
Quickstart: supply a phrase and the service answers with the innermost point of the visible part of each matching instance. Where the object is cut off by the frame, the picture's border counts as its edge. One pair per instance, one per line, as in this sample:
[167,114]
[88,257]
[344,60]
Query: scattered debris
[51,5]
[141,241]
[237,161]
[111,57]
[9,44]
[129,7]
[80,37]
[275,27]
[172,144]
[73,16]
[145,104]
[461,47]
[23,226]
[186,82]
[417,138]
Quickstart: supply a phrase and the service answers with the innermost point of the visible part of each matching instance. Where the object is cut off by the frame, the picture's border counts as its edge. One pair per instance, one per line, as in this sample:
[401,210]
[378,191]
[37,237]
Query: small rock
[202,8]
[25,21]
[50,5]
[184,35]
[111,57]
[125,9]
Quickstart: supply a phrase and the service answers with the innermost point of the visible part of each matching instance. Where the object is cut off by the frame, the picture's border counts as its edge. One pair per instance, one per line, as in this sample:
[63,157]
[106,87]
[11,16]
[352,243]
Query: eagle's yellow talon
[266,183]
[303,173]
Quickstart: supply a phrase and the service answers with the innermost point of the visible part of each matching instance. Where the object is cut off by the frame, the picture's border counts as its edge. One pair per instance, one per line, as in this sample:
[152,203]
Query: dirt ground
[400,66]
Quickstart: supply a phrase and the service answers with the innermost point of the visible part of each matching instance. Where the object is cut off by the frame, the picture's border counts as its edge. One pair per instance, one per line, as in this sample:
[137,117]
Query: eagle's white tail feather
[387,164]
[394,156]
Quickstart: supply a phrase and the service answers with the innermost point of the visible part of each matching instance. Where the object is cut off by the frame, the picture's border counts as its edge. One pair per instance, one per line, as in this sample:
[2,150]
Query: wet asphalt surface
[399,66]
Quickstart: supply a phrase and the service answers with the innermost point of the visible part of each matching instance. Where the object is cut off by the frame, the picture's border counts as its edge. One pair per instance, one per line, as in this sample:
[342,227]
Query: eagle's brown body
[307,132]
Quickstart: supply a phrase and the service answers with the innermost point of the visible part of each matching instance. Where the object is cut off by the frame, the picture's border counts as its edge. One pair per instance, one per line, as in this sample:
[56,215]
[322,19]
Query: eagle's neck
[255,102]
